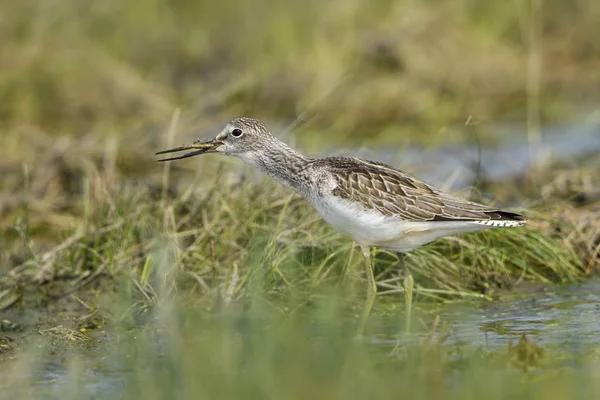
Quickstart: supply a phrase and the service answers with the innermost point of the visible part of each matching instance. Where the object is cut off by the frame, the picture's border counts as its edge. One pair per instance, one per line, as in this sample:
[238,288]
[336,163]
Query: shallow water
[460,166]
[563,318]
[566,317]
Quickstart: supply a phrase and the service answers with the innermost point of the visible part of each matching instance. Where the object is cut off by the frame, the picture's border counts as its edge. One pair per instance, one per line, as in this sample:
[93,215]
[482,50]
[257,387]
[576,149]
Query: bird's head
[242,137]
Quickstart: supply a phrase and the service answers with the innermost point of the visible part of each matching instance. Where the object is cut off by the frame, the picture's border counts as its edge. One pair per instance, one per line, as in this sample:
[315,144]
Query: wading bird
[373,203]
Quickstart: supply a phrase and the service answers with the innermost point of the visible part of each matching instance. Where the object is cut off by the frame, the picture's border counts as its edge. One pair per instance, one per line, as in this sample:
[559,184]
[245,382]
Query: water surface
[565,319]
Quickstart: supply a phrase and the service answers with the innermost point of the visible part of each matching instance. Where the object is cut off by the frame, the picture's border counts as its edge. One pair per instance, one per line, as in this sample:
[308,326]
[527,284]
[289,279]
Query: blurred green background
[353,68]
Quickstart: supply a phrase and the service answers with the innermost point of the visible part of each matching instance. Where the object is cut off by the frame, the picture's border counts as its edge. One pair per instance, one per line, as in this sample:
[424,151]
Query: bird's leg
[408,284]
[371,289]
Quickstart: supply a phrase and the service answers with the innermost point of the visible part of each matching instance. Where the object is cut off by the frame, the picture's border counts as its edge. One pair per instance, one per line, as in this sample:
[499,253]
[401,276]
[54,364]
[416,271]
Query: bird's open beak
[209,146]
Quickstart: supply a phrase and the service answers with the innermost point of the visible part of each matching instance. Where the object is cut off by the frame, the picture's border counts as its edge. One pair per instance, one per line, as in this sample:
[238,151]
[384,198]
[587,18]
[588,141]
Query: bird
[373,203]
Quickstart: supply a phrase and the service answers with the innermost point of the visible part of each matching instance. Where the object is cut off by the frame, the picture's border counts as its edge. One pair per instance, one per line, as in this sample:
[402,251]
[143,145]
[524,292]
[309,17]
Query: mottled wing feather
[395,193]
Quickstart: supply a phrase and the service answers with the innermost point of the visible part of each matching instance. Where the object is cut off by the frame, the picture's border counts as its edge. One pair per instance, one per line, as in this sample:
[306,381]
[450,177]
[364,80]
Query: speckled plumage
[374,203]
[395,193]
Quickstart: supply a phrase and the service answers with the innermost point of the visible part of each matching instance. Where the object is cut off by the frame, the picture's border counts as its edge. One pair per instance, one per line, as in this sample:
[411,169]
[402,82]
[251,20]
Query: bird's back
[377,204]
[395,193]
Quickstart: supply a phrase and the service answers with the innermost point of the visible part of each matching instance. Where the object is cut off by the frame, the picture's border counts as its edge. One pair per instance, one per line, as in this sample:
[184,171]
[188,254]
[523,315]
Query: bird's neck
[281,163]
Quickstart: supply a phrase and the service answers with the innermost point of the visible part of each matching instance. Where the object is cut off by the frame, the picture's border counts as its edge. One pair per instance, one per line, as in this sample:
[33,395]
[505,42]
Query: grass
[245,233]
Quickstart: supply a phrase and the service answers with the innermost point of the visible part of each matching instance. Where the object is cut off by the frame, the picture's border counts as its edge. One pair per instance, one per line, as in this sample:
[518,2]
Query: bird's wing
[395,193]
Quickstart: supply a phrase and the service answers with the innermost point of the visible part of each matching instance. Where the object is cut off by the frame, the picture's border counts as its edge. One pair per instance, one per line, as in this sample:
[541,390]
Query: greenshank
[373,203]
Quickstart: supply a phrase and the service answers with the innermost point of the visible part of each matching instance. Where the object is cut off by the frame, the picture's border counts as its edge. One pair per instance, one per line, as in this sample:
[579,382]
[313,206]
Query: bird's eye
[236,132]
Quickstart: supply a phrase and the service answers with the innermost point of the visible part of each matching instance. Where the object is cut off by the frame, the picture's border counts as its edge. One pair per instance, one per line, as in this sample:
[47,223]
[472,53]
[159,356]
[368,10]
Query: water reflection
[567,317]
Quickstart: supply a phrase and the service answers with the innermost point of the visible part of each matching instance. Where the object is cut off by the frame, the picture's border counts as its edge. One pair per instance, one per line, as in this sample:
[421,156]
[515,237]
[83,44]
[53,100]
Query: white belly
[371,228]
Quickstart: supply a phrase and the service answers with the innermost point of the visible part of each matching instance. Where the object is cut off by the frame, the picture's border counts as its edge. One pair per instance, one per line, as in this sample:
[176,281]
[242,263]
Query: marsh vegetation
[123,277]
